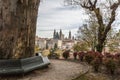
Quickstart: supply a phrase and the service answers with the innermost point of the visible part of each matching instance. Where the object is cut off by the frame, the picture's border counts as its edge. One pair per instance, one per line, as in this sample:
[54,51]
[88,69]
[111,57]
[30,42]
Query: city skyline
[53,14]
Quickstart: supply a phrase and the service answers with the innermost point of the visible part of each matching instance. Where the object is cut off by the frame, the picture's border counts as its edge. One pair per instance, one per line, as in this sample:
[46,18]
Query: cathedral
[60,35]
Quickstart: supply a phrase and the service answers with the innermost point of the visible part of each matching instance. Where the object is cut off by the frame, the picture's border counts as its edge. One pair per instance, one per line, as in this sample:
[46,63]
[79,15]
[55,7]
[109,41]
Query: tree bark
[17,28]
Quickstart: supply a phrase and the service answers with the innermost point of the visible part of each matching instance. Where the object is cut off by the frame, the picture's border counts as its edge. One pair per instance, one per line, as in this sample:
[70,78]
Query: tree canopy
[105,14]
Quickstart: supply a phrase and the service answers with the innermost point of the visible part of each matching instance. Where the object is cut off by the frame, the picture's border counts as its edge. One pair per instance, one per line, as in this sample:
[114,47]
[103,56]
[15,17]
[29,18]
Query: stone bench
[10,67]
[22,66]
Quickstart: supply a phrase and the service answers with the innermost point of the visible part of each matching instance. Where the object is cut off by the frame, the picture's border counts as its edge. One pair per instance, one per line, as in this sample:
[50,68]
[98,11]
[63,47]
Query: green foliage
[76,47]
[113,46]
[80,47]
[88,34]
[66,54]
[55,46]
[37,48]
[54,55]
[113,40]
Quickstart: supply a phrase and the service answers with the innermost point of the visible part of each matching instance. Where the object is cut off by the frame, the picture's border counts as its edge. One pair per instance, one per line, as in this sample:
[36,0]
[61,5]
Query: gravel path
[58,70]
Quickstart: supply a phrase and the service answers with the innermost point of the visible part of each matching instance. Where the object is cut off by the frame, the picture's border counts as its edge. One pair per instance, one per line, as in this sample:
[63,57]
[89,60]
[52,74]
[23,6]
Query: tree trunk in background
[17,28]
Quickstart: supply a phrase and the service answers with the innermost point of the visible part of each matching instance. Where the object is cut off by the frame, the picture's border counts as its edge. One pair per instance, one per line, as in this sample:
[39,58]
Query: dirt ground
[58,70]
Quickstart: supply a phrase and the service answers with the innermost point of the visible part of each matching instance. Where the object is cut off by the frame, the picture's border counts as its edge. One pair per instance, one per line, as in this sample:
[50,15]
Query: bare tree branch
[95,2]
[87,5]
[89,1]
[113,14]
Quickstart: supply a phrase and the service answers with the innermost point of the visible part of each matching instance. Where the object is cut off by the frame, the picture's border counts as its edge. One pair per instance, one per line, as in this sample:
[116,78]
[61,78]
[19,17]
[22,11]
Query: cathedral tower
[54,34]
[69,37]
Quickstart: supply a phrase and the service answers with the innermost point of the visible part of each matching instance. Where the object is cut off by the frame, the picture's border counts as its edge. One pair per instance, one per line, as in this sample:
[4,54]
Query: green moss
[90,77]
[83,77]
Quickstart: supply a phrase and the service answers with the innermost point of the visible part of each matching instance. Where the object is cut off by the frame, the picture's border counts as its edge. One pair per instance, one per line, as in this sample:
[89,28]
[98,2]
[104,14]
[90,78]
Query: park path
[58,70]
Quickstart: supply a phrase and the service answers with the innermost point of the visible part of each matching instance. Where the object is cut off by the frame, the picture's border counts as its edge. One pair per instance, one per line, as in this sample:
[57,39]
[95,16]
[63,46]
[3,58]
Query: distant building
[51,43]
[58,38]
[36,40]
[40,42]
[68,44]
[69,37]
[61,35]
[57,35]
[54,34]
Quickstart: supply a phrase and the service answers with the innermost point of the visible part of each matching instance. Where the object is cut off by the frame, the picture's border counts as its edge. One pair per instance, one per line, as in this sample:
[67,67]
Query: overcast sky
[54,15]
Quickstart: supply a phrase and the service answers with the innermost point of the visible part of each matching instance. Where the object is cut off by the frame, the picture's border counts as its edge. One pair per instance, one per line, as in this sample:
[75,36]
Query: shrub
[118,62]
[89,58]
[99,56]
[108,55]
[117,57]
[96,64]
[54,56]
[91,55]
[75,55]
[81,56]
[66,54]
[111,65]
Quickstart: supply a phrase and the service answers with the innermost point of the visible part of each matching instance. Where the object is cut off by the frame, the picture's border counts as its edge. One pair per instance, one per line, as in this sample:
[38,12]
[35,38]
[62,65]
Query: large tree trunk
[17,28]
[101,28]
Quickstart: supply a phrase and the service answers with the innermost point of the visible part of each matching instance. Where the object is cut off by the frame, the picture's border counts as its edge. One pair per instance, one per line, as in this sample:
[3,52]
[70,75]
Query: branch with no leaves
[89,5]
[113,13]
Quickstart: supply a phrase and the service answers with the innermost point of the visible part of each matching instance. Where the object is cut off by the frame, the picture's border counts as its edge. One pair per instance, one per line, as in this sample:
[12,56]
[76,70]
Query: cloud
[54,15]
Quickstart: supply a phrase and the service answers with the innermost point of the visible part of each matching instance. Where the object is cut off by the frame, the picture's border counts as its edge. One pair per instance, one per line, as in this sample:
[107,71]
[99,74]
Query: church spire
[57,35]
[69,35]
[60,34]
[54,34]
